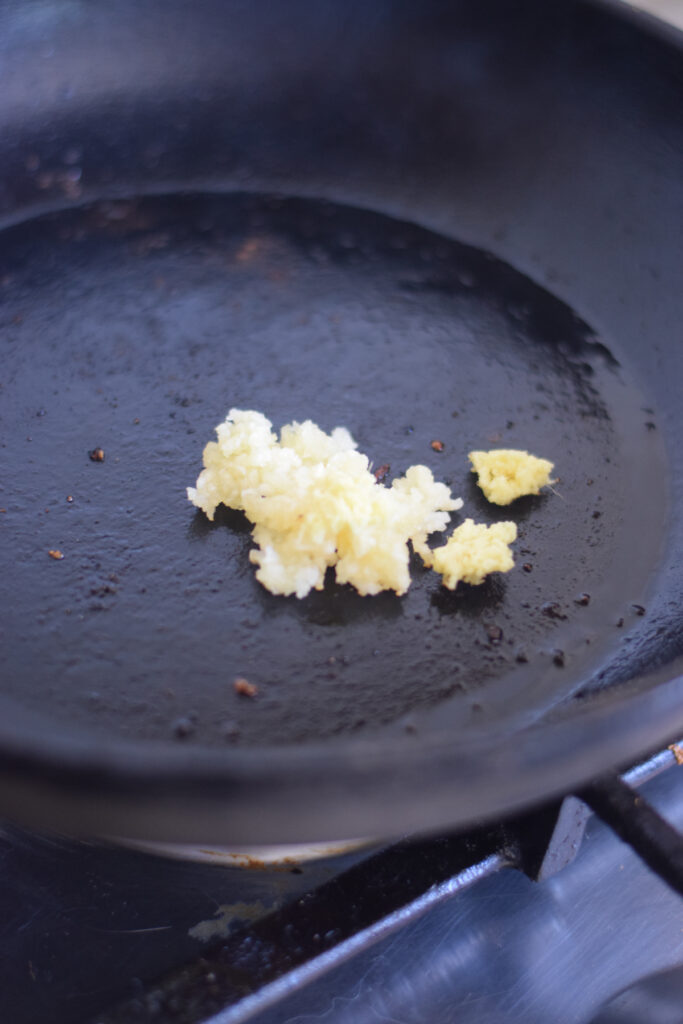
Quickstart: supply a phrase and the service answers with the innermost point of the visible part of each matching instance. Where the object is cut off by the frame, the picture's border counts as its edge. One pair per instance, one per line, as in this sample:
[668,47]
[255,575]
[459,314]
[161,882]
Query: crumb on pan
[473,551]
[244,688]
[315,503]
[506,474]
[677,751]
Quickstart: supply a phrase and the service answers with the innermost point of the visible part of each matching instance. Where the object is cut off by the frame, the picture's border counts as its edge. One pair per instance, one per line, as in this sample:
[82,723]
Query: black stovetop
[503,924]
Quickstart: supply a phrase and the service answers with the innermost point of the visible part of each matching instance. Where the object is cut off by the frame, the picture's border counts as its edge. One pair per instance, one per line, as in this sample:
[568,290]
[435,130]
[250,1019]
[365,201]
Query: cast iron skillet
[443,221]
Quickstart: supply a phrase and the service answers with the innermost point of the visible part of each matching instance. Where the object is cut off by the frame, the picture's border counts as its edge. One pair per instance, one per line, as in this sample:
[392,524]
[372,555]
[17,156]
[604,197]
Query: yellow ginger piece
[315,503]
[473,551]
[506,474]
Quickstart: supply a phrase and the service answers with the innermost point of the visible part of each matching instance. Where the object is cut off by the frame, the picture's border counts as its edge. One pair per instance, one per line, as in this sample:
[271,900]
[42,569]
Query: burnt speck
[649,425]
[583,600]
[589,482]
[553,610]
[136,420]
[183,727]
[96,455]
[56,554]
[438,446]
[597,514]
[638,609]
[41,413]
[558,658]
[494,633]
[521,656]
[619,623]
[528,567]
[455,414]
[381,472]
[244,688]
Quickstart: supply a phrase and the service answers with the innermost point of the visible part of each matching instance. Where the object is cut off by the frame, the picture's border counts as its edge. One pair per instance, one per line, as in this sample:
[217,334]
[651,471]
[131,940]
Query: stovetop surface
[88,927]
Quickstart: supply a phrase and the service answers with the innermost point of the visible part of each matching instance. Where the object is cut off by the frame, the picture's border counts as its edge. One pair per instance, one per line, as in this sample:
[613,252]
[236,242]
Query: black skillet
[446,221]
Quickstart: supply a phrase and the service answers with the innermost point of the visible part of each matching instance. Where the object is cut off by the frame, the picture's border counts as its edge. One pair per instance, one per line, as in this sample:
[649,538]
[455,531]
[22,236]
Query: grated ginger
[473,551]
[314,503]
[506,474]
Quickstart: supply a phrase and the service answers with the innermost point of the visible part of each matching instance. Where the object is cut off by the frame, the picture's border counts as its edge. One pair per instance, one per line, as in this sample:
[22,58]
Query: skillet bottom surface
[135,326]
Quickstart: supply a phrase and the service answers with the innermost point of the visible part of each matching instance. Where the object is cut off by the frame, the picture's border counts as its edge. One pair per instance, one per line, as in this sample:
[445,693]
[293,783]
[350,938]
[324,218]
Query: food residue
[244,688]
[438,446]
[677,751]
[473,551]
[315,504]
[96,455]
[55,553]
[506,474]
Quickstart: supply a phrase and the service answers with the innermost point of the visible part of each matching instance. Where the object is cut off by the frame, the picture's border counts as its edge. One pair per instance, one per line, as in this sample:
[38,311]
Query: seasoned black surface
[135,326]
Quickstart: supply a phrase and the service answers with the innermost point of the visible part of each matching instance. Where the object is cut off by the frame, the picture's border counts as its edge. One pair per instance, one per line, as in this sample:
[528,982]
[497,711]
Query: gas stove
[548,916]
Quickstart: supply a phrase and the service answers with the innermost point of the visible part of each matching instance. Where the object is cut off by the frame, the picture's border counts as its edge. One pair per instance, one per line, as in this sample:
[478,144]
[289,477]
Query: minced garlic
[473,551]
[315,503]
[506,474]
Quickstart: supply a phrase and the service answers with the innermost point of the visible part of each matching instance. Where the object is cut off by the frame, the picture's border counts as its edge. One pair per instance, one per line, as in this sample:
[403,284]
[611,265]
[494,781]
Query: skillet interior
[136,327]
[118,307]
